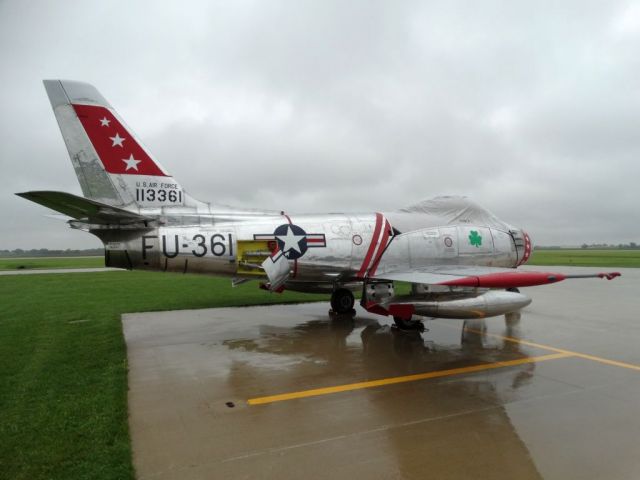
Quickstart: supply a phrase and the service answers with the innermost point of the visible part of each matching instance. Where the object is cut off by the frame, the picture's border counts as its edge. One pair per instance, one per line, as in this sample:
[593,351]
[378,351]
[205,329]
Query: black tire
[513,289]
[342,301]
[402,323]
[408,324]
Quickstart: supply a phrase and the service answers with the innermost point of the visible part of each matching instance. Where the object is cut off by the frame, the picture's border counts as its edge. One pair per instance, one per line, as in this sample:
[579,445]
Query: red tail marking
[372,246]
[101,127]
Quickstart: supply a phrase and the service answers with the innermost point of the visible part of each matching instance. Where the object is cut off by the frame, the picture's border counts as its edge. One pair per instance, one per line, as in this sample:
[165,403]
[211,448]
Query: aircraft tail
[112,165]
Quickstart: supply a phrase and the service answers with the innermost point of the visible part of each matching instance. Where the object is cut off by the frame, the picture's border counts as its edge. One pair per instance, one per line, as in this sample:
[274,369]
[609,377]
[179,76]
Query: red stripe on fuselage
[372,246]
[381,248]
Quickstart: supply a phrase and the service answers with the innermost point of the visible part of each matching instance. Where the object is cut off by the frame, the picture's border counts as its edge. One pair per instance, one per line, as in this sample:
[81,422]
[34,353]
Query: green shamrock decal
[475,239]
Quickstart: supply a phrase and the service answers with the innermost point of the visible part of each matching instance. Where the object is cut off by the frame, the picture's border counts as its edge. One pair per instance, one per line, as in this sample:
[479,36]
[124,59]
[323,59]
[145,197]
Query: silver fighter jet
[459,259]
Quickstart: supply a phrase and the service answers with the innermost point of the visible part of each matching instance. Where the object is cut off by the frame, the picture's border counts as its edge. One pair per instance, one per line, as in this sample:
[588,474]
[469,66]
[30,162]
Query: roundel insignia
[448,242]
[292,240]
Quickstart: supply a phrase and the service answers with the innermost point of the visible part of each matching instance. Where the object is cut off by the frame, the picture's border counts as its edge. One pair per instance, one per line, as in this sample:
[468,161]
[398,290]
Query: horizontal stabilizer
[84,209]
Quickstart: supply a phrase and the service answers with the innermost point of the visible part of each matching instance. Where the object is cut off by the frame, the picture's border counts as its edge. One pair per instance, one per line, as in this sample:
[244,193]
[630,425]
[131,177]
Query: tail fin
[112,166]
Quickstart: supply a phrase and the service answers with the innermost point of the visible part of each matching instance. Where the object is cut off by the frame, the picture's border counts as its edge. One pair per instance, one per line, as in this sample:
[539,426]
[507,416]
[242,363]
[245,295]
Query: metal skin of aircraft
[459,258]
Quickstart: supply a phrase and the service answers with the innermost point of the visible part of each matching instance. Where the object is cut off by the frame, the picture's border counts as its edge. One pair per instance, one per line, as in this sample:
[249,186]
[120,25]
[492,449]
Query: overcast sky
[530,108]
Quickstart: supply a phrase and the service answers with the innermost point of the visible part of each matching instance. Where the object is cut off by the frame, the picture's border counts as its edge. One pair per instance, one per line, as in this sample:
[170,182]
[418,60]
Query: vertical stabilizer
[112,165]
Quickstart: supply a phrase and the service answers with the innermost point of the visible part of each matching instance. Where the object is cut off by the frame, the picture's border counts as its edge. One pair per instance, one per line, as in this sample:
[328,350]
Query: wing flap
[83,209]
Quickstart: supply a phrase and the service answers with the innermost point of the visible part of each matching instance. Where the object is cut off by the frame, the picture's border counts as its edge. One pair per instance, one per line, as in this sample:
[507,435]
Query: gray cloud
[530,109]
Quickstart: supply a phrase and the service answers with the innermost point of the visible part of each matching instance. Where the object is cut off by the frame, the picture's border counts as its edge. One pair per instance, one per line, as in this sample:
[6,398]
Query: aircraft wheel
[342,301]
[408,324]
[513,289]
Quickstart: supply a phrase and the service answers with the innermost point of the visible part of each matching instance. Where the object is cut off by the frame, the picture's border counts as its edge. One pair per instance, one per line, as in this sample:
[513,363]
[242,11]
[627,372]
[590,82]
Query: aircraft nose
[523,244]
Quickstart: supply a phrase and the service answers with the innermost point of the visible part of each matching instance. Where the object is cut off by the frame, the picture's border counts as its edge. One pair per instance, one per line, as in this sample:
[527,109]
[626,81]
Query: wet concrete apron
[291,392]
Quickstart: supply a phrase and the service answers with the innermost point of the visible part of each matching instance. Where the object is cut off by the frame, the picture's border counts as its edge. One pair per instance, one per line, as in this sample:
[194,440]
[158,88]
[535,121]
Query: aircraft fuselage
[330,248]
[459,258]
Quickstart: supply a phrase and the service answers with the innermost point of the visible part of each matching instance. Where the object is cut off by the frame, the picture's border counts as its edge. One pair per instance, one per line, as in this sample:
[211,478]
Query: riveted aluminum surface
[159,226]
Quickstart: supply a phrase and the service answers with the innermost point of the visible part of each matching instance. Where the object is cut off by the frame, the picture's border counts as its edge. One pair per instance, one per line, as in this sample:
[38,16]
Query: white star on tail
[131,163]
[291,241]
[117,140]
[104,122]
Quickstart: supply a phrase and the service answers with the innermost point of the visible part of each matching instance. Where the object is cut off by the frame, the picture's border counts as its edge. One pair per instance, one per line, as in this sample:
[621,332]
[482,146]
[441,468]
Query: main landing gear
[342,301]
[408,324]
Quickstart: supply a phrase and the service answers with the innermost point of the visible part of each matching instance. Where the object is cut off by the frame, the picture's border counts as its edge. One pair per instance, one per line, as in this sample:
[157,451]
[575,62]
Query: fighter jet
[460,260]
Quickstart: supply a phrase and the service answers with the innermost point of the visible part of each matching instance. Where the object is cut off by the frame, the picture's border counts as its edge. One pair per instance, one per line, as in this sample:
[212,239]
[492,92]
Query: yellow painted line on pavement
[594,358]
[404,379]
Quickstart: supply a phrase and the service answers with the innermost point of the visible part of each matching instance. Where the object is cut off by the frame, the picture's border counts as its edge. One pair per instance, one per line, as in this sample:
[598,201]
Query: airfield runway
[290,392]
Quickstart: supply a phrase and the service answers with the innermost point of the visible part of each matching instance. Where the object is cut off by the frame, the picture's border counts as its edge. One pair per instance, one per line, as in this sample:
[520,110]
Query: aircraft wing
[482,277]
[83,209]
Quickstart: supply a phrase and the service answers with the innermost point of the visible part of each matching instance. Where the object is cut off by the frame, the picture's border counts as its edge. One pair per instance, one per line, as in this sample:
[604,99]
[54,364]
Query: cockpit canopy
[444,210]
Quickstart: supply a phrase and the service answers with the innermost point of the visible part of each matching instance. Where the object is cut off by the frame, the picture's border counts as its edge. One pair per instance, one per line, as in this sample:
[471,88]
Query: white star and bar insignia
[293,241]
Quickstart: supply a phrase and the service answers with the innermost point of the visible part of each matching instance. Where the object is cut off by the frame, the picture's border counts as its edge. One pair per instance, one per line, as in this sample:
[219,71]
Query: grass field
[63,370]
[50,262]
[586,258]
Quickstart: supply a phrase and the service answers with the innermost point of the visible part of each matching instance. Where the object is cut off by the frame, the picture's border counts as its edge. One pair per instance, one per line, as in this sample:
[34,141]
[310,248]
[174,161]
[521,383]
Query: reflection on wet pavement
[515,416]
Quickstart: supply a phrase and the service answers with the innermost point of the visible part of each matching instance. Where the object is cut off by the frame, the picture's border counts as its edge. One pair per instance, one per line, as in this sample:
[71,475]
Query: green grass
[50,262]
[586,258]
[63,370]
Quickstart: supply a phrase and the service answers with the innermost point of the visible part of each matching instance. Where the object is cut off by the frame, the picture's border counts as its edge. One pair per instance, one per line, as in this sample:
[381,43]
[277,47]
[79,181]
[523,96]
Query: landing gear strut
[408,324]
[342,301]
[511,319]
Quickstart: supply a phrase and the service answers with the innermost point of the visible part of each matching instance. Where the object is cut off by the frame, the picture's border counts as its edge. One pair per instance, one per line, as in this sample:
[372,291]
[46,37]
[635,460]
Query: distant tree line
[594,246]
[625,246]
[45,252]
